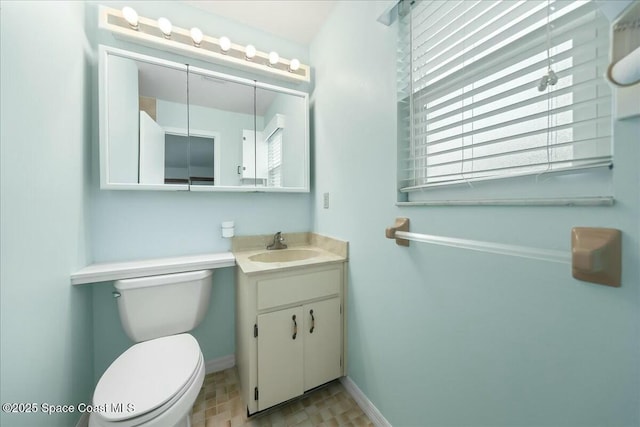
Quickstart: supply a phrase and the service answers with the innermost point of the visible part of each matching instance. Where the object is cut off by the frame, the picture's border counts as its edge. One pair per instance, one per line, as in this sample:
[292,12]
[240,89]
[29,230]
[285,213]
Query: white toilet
[155,382]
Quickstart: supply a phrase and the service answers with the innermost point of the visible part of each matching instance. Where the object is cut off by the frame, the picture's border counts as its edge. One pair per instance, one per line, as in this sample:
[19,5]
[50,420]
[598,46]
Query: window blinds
[274,162]
[471,92]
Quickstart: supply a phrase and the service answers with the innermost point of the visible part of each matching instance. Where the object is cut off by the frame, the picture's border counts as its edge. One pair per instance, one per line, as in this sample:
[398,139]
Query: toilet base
[186,422]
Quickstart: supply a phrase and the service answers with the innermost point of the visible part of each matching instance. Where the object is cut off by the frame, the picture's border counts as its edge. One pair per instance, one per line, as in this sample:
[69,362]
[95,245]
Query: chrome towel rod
[400,232]
[494,248]
[595,256]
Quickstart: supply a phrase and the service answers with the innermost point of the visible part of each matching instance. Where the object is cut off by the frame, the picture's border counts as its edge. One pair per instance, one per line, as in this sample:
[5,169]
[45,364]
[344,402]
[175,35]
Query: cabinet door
[122,109]
[280,353]
[141,99]
[322,342]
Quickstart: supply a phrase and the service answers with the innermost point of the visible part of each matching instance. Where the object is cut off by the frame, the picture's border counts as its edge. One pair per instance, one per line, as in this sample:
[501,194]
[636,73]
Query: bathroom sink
[284,255]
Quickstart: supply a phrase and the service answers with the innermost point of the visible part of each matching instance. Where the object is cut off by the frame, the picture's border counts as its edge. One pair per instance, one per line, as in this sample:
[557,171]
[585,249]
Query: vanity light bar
[148,32]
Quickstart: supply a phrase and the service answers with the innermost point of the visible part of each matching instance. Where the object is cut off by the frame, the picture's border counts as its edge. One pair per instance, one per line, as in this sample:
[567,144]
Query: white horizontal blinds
[477,112]
[274,154]
[404,88]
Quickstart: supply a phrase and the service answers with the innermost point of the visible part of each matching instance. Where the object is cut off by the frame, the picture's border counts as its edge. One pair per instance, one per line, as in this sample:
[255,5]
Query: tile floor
[219,404]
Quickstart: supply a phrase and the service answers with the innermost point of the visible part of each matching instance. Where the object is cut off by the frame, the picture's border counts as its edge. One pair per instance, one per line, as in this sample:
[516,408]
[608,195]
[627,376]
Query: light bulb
[273,58]
[131,16]
[165,27]
[196,35]
[294,65]
[225,44]
[250,51]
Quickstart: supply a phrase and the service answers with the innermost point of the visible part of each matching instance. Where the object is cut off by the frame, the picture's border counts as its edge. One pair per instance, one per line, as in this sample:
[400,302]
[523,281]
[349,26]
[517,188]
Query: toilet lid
[146,376]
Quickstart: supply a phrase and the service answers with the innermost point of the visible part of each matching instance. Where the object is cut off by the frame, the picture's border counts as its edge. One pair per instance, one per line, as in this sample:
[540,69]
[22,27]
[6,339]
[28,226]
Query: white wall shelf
[107,272]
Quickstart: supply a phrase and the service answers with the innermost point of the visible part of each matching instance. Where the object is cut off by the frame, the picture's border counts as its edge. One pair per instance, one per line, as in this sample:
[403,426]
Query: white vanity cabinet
[289,332]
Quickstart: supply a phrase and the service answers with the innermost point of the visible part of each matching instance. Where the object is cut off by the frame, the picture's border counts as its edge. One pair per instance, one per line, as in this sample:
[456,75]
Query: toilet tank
[157,306]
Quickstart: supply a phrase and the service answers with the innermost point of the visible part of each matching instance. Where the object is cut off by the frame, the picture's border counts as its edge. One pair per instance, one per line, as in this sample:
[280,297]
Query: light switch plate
[325,197]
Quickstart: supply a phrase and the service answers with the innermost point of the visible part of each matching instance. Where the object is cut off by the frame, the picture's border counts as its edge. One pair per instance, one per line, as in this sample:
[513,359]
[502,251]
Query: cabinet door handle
[295,327]
[313,322]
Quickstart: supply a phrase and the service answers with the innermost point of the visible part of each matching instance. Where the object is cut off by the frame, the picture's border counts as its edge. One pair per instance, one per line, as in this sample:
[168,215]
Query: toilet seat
[166,415]
[159,374]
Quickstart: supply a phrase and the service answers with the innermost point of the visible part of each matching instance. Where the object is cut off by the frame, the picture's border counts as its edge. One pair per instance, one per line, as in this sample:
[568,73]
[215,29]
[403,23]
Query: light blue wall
[130,225]
[46,336]
[448,337]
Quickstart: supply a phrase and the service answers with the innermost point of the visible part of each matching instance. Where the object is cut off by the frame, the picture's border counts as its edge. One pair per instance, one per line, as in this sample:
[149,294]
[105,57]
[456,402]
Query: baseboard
[84,420]
[364,403]
[220,364]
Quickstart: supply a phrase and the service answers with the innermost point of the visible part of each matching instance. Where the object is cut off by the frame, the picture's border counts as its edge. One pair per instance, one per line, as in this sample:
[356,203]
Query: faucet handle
[277,242]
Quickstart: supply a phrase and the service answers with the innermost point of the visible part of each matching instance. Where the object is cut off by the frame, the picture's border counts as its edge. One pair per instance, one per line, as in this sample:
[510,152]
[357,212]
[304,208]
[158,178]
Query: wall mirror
[168,126]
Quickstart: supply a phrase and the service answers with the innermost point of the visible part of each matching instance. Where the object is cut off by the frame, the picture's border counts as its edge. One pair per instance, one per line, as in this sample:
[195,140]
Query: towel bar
[595,255]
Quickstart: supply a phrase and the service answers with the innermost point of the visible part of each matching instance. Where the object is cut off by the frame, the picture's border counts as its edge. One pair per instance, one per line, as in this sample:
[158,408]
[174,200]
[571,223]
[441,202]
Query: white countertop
[107,272]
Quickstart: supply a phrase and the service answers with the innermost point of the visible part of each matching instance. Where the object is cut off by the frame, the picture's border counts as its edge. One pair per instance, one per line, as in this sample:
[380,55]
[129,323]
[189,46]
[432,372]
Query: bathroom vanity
[290,317]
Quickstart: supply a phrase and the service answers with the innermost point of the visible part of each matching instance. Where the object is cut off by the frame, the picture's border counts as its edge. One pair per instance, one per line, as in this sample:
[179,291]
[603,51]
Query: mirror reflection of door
[202,160]
[223,110]
[190,159]
[146,103]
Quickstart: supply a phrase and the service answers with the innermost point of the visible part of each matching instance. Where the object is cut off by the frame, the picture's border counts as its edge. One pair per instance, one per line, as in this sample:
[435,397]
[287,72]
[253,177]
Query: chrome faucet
[278,242]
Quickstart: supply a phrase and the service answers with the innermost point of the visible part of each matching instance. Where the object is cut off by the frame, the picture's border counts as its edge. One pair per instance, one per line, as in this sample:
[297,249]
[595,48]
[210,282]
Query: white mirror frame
[105,184]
